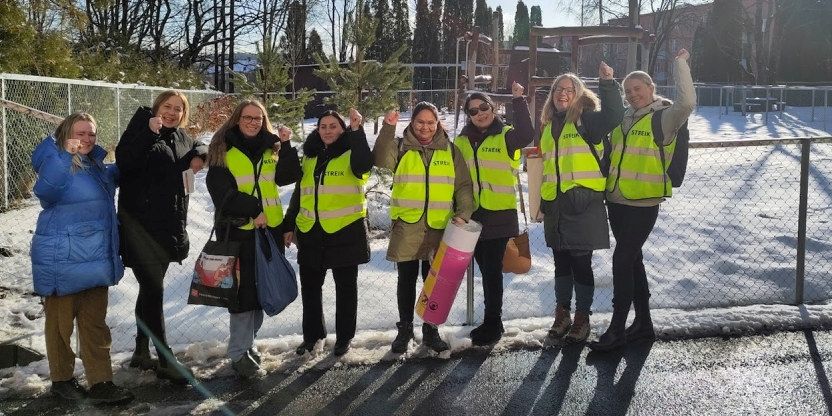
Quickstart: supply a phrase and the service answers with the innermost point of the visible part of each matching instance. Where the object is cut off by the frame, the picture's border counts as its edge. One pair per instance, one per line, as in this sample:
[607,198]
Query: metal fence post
[813,104]
[118,113]
[469,315]
[68,99]
[768,92]
[800,269]
[4,154]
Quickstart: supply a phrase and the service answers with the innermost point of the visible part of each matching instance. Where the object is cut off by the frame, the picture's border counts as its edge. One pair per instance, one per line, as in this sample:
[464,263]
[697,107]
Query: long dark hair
[335,114]
[482,97]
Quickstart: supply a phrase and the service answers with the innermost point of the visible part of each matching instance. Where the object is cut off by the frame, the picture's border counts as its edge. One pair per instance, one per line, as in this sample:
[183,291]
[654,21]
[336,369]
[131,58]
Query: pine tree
[451,29]
[482,19]
[369,86]
[466,14]
[380,49]
[402,34]
[421,33]
[521,25]
[435,21]
[314,47]
[270,85]
[293,42]
[500,32]
[536,16]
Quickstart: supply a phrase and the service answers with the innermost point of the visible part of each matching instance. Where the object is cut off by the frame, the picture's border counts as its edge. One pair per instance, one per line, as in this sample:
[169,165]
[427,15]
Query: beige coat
[417,241]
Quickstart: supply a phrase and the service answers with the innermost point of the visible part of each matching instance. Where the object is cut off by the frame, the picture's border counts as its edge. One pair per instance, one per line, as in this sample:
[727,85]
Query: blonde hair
[64,132]
[576,106]
[218,147]
[173,93]
[645,78]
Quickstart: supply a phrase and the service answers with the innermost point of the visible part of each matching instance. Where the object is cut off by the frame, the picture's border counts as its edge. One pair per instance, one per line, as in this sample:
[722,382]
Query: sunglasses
[476,110]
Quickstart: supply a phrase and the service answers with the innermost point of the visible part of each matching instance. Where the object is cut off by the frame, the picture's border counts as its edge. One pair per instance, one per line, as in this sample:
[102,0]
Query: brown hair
[576,106]
[424,105]
[165,96]
[64,133]
[218,147]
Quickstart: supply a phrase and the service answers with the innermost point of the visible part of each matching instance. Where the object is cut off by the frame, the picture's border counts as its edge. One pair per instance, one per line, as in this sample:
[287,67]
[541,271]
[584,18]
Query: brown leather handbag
[518,256]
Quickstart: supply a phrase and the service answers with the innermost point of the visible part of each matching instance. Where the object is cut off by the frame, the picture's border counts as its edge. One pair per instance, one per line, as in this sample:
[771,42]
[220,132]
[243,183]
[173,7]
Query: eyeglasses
[250,119]
[559,90]
[420,123]
[476,110]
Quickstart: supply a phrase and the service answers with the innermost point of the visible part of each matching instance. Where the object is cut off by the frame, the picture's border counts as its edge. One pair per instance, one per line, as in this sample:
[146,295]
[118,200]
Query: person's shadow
[613,398]
[551,400]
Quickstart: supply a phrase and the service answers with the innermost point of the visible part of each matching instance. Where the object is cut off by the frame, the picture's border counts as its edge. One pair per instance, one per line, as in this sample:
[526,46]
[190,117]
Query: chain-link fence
[750,225]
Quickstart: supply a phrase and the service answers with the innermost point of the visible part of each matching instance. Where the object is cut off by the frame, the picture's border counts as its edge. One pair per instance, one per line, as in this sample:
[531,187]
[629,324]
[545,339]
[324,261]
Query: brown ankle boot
[580,329]
[562,323]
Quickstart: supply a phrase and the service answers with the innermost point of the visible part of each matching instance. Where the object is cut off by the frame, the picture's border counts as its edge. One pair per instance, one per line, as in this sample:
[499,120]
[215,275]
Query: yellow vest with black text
[636,163]
[576,163]
[416,189]
[244,173]
[336,200]
[492,171]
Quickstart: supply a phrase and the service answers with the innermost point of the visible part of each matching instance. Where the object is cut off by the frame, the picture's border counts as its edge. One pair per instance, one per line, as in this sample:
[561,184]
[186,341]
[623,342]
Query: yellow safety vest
[337,200]
[636,165]
[416,189]
[247,178]
[576,163]
[492,171]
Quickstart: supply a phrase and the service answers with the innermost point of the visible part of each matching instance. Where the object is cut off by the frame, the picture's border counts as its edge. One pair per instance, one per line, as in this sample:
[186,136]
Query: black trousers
[406,286]
[631,226]
[149,304]
[346,301]
[489,256]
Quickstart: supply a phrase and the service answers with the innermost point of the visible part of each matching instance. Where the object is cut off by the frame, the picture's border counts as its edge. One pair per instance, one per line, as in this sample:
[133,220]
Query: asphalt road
[778,374]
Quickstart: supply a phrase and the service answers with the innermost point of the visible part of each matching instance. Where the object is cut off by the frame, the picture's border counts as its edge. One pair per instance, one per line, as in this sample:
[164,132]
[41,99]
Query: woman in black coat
[153,152]
[247,163]
[330,223]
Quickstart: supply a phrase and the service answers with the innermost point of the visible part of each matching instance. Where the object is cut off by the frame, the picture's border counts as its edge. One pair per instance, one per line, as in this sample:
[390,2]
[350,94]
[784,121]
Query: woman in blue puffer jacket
[75,257]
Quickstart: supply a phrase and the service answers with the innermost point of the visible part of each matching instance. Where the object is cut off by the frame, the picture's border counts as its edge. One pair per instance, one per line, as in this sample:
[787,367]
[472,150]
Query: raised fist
[155,124]
[392,117]
[517,90]
[72,145]
[355,119]
[284,133]
[604,71]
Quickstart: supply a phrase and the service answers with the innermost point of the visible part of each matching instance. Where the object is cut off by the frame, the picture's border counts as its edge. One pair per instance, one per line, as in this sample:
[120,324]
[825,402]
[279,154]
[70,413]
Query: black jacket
[503,223]
[152,204]
[348,246]
[238,207]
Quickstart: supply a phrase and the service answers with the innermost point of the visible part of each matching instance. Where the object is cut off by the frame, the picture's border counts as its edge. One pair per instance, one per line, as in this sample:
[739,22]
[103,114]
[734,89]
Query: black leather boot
[399,345]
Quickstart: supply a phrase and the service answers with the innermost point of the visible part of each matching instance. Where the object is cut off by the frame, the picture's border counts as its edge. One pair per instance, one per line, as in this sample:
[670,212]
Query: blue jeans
[243,330]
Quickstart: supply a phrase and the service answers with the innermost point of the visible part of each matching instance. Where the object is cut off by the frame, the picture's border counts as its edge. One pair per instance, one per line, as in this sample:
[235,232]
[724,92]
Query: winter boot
[306,346]
[579,331]
[642,326]
[173,371]
[488,333]
[69,390]
[245,367]
[341,347]
[141,356]
[108,393]
[431,338]
[562,324]
[613,338]
[399,345]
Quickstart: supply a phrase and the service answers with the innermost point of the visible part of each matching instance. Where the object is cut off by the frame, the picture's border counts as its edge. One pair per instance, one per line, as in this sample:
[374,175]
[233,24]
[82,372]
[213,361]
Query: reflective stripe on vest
[416,189]
[636,162]
[244,173]
[337,200]
[492,171]
[576,164]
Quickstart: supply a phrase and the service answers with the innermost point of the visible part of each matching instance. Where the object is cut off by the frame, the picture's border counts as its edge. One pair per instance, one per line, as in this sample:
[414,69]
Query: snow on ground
[726,240]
